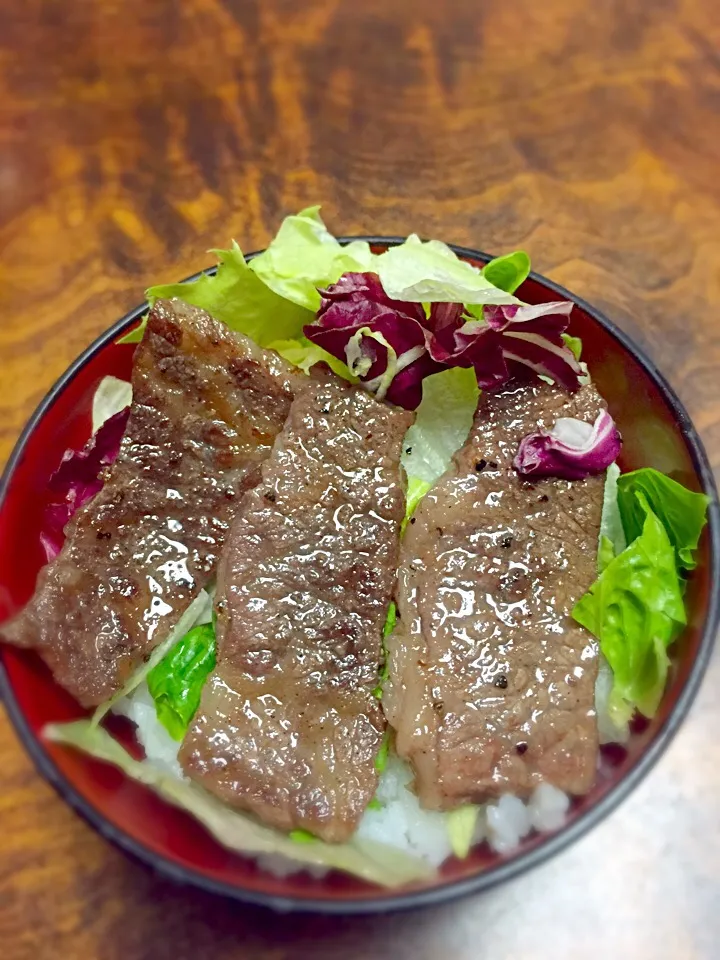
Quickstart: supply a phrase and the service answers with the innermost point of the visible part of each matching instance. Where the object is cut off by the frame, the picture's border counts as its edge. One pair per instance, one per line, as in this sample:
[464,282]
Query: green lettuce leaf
[416,490]
[509,271]
[301,836]
[237,296]
[199,611]
[606,552]
[304,353]
[176,683]
[383,754]
[390,622]
[367,859]
[442,424]
[112,396]
[635,609]
[612,533]
[461,824]
[303,256]
[429,272]
[682,512]
[574,344]
[137,333]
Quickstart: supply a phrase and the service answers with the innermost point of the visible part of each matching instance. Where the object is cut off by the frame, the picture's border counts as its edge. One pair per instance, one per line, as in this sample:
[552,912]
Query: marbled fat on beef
[288,727]
[207,407]
[491,686]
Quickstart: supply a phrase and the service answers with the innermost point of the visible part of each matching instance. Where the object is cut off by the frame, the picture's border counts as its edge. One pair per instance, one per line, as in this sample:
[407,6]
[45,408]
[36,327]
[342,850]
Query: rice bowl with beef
[418,332]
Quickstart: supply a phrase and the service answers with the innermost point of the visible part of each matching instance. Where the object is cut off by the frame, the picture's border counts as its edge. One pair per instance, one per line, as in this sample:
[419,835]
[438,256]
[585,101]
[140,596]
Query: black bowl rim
[390,901]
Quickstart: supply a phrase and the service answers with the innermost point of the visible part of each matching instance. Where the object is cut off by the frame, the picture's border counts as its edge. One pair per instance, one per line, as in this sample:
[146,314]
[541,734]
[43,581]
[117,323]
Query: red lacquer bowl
[657,432]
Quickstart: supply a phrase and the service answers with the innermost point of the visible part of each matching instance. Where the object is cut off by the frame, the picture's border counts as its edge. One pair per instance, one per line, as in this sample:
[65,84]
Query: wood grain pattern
[135,135]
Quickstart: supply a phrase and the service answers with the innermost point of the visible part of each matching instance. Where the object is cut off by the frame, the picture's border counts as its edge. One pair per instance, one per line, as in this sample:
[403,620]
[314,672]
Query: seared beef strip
[491,685]
[207,407]
[288,726]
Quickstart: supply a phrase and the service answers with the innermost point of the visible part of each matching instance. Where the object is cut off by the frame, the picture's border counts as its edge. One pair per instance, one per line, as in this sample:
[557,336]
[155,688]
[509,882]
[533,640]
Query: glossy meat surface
[491,686]
[288,727]
[207,407]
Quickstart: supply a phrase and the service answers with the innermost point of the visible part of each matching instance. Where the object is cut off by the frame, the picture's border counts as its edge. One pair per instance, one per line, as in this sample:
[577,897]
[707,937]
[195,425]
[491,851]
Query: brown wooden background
[136,134]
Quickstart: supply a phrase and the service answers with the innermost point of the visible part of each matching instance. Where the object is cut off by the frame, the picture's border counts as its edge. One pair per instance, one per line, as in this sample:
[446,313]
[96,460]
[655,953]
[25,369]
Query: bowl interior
[656,433]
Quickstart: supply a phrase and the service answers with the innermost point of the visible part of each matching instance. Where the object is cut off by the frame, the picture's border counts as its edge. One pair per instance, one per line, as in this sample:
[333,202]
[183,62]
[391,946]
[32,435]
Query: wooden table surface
[135,135]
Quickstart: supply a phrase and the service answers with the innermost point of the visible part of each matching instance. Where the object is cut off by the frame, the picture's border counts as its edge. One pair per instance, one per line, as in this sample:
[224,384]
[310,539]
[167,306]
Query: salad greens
[199,611]
[175,684]
[574,344]
[78,478]
[682,512]
[461,824]
[383,753]
[612,532]
[273,296]
[80,475]
[302,353]
[429,272]
[301,836]
[390,620]
[571,450]
[304,255]
[363,858]
[111,397]
[442,424]
[236,296]
[384,672]
[635,607]
[508,272]
[306,275]
[416,490]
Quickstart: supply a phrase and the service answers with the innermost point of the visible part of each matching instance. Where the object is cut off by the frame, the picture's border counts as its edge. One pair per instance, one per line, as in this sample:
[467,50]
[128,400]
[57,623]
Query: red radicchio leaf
[531,337]
[381,340]
[79,478]
[509,341]
[572,450]
[391,345]
[463,343]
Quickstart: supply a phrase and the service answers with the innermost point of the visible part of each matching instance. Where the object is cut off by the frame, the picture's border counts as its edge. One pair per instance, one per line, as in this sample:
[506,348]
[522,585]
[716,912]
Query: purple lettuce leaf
[381,340]
[78,478]
[572,450]
[531,337]
[468,343]
[509,341]
[392,345]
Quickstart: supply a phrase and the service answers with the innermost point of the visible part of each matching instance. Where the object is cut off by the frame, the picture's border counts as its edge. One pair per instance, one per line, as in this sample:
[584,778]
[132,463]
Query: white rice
[399,820]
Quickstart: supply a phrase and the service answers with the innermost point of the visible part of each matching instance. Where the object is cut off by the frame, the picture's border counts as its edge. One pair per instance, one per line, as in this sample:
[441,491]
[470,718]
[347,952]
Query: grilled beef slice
[491,685]
[207,407]
[288,727]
